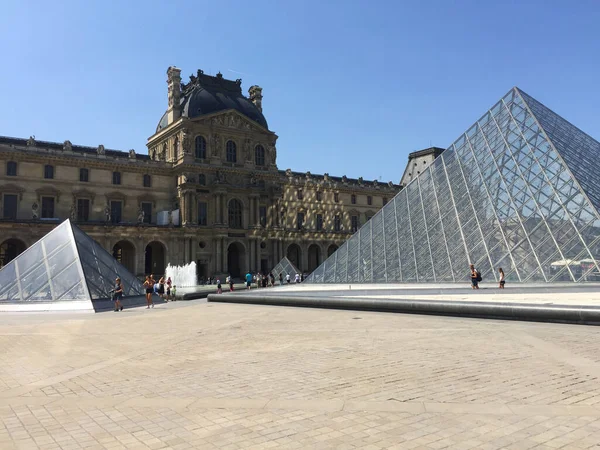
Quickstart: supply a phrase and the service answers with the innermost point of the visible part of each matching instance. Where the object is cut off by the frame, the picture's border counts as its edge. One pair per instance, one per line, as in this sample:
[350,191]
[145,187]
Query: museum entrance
[10,249]
[155,259]
[124,252]
[235,259]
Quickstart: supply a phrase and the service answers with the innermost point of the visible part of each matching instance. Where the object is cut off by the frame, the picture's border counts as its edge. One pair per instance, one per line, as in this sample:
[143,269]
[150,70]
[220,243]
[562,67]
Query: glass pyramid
[64,265]
[285,267]
[519,190]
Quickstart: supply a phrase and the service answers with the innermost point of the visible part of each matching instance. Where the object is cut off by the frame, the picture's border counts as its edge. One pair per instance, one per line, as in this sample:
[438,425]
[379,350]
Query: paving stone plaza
[222,376]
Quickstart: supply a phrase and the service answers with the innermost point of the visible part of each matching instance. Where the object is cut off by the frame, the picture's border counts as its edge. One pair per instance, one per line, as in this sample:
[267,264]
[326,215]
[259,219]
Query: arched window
[259,155]
[235,214]
[231,152]
[200,147]
[202,179]
[176,148]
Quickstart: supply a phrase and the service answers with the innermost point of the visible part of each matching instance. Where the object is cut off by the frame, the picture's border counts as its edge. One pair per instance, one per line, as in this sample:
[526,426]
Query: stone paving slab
[222,376]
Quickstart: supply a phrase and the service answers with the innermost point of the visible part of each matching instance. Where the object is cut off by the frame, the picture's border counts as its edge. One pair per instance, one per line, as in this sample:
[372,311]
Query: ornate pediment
[84,193]
[116,195]
[231,120]
[48,191]
[147,198]
[12,189]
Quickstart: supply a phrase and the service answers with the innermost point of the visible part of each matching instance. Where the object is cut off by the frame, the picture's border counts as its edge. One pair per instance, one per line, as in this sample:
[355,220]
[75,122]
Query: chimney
[174,93]
[256,96]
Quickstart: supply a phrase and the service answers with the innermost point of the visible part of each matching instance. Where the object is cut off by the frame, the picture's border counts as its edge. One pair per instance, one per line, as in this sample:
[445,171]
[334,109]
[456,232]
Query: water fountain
[182,276]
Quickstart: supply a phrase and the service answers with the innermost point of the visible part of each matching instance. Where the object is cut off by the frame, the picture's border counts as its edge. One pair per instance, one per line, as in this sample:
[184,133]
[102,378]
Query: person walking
[161,288]
[272,278]
[502,281]
[475,277]
[219,288]
[297,278]
[118,295]
[169,284]
[149,286]
[280,279]
[287,278]
[248,280]
[230,283]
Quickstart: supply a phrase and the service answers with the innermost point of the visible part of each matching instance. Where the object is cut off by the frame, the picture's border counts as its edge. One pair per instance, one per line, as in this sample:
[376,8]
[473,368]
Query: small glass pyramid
[520,190]
[65,265]
[285,267]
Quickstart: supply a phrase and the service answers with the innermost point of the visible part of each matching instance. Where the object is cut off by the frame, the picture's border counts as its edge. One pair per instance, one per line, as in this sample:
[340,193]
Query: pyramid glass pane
[519,190]
[65,265]
[285,267]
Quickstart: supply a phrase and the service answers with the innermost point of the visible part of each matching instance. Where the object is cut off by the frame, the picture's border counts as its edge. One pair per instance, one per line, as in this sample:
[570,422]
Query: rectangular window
[9,208]
[83,209]
[47,207]
[299,194]
[116,178]
[147,181]
[354,220]
[84,175]
[384,201]
[336,197]
[318,196]
[300,220]
[11,169]
[319,222]
[48,171]
[262,215]
[353,199]
[337,223]
[147,208]
[369,200]
[202,213]
[116,210]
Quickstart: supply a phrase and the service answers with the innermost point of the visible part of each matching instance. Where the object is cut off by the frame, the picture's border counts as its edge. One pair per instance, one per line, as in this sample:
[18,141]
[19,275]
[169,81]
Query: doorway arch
[155,259]
[236,257]
[294,254]
[331,250]
[314,257]
[10,249]
[124,252]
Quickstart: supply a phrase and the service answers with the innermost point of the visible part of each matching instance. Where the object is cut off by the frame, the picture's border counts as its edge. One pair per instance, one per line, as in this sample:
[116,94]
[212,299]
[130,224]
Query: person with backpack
[475,277]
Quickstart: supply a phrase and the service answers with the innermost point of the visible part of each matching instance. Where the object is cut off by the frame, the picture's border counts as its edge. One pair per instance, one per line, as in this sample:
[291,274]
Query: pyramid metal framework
[65,265]
[285,267]
[519,190]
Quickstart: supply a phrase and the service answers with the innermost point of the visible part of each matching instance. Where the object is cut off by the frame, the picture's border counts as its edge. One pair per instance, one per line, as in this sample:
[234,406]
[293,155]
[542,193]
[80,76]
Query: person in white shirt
[287,278]
[297,279]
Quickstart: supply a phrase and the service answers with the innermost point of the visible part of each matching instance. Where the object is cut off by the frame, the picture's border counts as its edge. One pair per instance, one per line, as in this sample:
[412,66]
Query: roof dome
[206,94]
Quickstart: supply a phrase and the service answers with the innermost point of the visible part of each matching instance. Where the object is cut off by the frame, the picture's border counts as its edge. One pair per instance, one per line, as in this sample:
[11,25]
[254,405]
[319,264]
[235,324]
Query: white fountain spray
[182,276]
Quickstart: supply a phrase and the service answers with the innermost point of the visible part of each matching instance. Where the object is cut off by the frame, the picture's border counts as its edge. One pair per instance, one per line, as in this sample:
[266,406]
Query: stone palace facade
[209,190]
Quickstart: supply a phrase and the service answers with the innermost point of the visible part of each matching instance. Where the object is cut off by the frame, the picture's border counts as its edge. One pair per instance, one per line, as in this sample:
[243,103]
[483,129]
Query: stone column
[194,204]
[248,258]
[304,258]
[218,255]
[224,210]
[217,200]
[250,253]
[257,246]
[182,208]
[224,245]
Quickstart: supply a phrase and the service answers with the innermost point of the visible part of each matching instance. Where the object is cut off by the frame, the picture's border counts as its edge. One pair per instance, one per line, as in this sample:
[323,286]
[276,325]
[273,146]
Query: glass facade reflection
[519,190]
[64,265]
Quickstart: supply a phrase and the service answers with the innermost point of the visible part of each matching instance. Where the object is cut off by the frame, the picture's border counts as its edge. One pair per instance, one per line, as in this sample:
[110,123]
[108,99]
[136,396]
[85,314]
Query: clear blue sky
[351,87]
